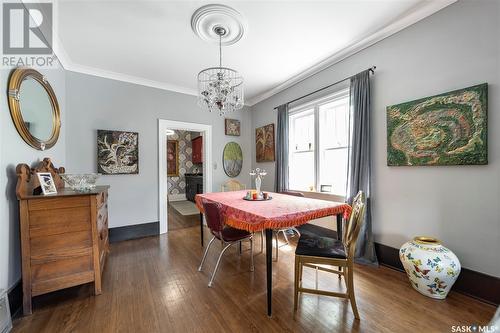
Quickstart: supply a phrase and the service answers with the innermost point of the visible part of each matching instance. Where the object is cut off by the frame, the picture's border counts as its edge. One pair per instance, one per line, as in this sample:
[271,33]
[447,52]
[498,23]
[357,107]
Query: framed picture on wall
[264,143]
[117,152]
[232,159]
[232,127]
[445,129]
[172,158]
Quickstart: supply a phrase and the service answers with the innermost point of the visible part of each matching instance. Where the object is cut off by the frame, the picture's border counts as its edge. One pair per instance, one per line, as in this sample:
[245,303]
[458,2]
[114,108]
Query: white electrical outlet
[5,320]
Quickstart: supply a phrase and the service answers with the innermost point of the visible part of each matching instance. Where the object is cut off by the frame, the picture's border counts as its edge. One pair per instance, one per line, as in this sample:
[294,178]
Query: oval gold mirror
[34,108]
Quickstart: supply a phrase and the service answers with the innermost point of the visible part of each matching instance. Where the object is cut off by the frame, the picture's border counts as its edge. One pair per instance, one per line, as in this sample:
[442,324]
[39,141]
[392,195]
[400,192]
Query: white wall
[14,150]
[454,48]
[97,103]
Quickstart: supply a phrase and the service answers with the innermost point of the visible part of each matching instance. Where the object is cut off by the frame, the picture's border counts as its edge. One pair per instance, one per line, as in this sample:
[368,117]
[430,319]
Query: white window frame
[316,105]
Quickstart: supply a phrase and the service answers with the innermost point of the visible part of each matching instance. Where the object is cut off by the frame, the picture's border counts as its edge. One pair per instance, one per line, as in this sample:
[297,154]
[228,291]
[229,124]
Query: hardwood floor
[152,285]
[178,221]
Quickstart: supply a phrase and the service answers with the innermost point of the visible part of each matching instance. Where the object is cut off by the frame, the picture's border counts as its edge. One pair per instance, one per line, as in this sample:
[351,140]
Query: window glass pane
[303,131]
[333,171]
[334,136]
[334,122]
[301,168]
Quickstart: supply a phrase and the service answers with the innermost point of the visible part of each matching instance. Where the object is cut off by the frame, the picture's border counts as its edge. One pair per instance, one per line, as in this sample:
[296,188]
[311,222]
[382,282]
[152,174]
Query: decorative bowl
[80,182]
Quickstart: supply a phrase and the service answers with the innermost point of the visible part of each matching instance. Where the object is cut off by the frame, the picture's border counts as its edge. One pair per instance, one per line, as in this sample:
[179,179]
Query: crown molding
[128,78]
[69,65]
[418,13]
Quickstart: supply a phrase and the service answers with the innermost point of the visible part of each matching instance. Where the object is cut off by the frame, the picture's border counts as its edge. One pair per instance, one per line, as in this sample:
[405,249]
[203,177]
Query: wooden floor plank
[178,221]
[152,285]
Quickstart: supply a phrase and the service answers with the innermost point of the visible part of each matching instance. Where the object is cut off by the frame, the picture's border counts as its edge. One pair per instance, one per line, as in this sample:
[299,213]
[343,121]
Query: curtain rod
[371,69]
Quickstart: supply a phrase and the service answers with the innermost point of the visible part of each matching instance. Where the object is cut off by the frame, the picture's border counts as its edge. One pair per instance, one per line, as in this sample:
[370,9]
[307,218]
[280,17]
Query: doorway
[182,175]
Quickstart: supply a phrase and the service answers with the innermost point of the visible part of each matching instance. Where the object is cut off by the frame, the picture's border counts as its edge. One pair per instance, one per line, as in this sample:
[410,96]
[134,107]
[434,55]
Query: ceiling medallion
[206,18]
[219,88]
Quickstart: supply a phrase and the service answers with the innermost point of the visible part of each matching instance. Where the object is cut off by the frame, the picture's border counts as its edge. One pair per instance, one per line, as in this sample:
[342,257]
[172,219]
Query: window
[318,145]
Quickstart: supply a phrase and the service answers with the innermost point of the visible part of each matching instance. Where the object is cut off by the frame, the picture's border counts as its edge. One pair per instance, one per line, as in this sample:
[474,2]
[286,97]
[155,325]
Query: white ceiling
[151,42]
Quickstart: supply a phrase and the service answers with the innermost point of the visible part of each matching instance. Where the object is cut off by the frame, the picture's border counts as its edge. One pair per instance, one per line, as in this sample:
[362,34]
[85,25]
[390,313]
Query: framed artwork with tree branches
[232,159]
[117,152]
[264,143]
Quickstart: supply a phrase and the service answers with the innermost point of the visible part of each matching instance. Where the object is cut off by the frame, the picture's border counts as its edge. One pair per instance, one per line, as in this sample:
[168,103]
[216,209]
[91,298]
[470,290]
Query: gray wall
[454,48]
[97,103]
[14,150]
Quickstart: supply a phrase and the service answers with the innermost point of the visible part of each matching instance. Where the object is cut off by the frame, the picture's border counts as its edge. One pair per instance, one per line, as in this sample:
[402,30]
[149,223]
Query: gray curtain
[359,168]
[281,181]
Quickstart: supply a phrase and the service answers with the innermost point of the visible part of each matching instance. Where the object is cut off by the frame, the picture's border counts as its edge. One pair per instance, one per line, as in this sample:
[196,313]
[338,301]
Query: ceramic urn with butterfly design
[431,267]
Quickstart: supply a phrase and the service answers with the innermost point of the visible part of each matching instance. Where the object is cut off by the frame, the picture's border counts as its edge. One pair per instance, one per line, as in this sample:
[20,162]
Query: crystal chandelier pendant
[220,88]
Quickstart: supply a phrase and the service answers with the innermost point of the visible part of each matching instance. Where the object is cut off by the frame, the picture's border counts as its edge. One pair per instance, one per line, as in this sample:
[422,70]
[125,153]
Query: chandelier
[220,88]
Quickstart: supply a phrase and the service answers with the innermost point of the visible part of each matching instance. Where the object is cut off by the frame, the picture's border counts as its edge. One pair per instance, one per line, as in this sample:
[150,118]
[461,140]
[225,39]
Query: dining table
[278,212]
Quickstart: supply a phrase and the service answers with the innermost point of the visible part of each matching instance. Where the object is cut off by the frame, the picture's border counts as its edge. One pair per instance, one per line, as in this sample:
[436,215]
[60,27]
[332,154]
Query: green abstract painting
[446,129]
[232,159]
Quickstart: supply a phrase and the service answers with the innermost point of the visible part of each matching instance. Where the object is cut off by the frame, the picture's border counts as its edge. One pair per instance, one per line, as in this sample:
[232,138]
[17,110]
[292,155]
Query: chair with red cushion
[225,234]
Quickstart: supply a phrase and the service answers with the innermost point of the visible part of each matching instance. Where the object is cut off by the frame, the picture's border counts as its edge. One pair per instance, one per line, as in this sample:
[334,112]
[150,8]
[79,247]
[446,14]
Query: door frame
[206,132]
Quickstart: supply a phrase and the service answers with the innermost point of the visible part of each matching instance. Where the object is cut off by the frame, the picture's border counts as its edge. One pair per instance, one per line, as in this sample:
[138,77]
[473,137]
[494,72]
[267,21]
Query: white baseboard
[177,197]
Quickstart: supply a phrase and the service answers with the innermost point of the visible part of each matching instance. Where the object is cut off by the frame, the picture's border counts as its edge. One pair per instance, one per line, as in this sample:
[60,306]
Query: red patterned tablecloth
[281,212]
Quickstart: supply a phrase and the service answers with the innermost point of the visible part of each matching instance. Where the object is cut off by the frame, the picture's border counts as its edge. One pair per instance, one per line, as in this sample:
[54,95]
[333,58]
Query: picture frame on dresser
[64,236]
[46,183]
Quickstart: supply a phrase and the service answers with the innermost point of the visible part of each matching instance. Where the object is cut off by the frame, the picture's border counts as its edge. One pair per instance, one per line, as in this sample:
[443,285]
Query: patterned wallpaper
[177,185]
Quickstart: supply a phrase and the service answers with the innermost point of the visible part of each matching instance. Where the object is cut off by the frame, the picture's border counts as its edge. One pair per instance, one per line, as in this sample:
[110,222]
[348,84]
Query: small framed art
[46,183]
[232,127]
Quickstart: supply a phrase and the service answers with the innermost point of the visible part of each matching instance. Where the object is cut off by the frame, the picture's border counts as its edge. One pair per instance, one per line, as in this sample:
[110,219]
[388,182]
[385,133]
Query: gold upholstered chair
[232,185]
[325,253]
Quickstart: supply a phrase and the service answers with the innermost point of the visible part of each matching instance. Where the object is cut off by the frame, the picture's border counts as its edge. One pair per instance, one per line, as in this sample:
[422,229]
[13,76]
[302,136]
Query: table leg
[201,228]
[269,269]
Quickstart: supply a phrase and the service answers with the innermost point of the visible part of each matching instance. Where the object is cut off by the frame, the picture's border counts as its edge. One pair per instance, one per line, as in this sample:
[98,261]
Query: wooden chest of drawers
[64,238]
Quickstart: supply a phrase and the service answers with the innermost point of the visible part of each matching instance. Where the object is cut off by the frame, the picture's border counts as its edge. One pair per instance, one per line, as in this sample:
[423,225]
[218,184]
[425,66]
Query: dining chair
[284,230]
[232,185]
[225,234]
[316,252]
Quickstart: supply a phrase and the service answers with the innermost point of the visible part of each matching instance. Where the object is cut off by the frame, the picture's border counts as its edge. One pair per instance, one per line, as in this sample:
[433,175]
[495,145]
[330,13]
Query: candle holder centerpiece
[259,174]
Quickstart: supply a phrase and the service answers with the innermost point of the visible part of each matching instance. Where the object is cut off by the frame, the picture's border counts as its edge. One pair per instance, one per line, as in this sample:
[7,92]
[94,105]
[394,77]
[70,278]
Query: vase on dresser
[431,267]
